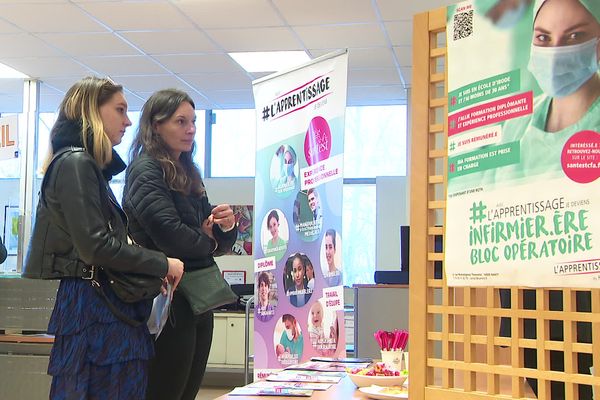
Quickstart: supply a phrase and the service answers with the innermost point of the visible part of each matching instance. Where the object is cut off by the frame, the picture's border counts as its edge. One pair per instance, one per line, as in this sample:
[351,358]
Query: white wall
[391,212]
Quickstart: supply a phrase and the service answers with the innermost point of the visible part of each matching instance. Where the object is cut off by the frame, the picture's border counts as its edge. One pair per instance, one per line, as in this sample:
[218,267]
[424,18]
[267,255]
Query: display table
[344,390]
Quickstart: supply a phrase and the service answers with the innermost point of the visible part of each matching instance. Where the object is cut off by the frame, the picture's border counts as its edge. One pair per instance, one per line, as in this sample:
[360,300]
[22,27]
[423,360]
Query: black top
[170,221]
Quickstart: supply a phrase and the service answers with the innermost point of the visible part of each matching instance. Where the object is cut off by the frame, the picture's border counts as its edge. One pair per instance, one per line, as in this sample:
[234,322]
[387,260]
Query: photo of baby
[323,329]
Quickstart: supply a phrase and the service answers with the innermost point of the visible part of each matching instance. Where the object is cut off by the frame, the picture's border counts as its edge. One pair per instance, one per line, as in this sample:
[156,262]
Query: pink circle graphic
[580,157]
[317,142]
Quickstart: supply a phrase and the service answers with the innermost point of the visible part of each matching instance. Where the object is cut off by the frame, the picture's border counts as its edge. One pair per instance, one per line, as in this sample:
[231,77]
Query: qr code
[463,25]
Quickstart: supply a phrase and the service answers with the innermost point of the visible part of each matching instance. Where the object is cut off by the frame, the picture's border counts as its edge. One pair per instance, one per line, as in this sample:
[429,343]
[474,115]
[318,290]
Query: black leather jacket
[72,230]
[169,221]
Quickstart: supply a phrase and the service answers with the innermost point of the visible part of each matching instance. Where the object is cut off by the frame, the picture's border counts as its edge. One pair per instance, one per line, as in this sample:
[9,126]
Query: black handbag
[205,289]
[132,288]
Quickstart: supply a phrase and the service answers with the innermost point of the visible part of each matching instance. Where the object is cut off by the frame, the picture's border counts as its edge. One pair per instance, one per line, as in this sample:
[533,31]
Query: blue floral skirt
[95,355]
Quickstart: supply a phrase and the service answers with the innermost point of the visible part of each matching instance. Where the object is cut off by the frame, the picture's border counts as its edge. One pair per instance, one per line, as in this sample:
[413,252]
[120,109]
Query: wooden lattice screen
[456,351]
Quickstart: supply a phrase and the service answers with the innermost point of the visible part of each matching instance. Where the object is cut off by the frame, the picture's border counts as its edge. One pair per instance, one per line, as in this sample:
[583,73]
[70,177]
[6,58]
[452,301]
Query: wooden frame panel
[456,349]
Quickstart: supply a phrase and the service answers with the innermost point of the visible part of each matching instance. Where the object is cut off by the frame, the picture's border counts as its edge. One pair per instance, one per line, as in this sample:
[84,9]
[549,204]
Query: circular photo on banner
[307,215]
[297,282]
[323,329]
[284,171]
[317,142]
[288,340]
[274,234]
[266,302]
[331,258]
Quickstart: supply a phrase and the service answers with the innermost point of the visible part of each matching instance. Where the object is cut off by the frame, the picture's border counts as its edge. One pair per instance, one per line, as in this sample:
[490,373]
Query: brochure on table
[522,197]
[298,206]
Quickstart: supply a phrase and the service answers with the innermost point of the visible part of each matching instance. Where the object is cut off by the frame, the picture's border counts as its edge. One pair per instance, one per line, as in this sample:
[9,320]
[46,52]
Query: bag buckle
[88,272]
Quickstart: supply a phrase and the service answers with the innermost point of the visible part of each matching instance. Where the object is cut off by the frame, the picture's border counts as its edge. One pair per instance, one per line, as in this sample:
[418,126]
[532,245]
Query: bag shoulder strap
[117,313]
[57,156]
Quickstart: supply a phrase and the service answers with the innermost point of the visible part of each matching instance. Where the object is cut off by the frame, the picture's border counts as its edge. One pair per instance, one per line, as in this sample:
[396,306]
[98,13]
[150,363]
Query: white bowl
[366,380]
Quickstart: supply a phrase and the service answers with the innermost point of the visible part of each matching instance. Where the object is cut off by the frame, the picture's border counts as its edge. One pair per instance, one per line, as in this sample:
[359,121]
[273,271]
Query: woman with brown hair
[166,201]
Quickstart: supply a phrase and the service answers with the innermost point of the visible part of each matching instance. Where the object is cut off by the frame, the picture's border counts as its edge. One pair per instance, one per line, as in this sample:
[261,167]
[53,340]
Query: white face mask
[290,334]
[562,70]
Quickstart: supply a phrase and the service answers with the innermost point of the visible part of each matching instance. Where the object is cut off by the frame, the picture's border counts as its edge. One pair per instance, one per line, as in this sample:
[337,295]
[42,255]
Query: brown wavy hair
[181,175]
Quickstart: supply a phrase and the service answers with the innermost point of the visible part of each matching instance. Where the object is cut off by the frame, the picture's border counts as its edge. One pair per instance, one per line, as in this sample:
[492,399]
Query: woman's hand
[207,226]
[175,271]
[224,217]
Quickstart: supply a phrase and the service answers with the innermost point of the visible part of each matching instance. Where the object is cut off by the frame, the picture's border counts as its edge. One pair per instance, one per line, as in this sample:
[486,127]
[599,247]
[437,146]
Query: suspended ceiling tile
[24,45]
[170,42]
[404,55]
[89,44]
[375,95]
[255,39]
[318,12]
[341,36]
[36,67]
[211,14]
[367,57]
[122,65]
[372,57]
[374,76]
[138,15]
[50,18]
[6,27]
[400,32]
[258,75]
[61,84]
[191,64]
[395,9]
[200,101]
[149,83]
[219,81]
[407,75]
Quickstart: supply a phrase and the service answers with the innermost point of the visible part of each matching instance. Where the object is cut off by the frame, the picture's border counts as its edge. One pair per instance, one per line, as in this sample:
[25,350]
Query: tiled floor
[210,393]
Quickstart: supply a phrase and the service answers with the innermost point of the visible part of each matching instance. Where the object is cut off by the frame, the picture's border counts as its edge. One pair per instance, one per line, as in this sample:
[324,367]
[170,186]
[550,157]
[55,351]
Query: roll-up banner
[299,304]
[523,198]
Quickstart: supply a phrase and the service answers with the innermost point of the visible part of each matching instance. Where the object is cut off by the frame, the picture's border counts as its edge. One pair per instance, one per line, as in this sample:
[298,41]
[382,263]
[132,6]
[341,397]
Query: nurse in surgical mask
[564,59]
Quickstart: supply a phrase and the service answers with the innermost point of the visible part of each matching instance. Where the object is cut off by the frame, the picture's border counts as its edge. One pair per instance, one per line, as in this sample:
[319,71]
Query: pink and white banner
[298,214]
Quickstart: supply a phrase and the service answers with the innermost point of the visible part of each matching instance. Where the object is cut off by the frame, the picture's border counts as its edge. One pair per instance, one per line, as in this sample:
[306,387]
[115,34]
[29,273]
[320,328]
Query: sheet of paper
[254,391]
[291,385]
[160,312]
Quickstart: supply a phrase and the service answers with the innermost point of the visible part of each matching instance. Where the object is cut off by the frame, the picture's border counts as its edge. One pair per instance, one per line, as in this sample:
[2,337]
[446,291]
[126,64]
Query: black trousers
[182,351]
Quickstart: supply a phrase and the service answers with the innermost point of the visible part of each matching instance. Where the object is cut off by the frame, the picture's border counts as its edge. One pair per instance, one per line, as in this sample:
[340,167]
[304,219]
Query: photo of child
[323,329]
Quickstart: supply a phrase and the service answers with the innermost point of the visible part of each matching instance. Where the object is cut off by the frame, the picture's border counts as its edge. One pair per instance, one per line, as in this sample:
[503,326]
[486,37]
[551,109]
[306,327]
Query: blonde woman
[79,224]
